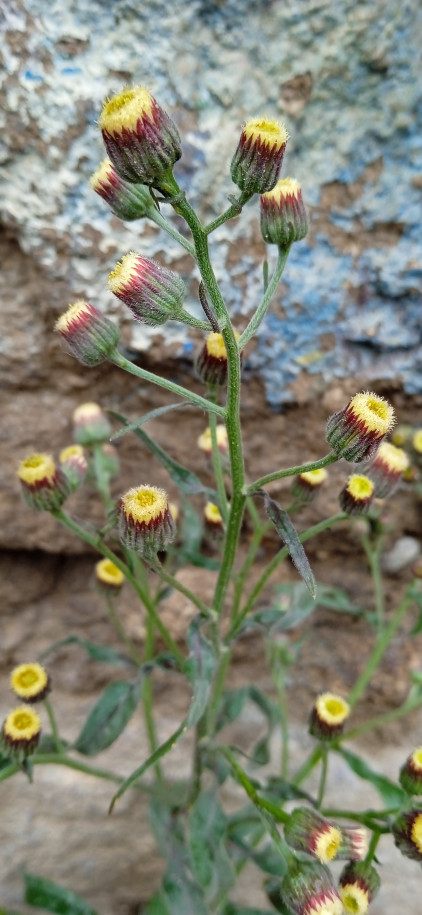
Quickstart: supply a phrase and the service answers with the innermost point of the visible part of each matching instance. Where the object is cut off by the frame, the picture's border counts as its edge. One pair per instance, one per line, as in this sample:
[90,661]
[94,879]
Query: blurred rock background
[345,78]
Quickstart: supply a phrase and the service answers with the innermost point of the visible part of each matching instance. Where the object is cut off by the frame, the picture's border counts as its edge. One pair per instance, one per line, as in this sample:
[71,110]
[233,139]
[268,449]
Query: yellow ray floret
[108,573]
[417,440]
[416,833]
[327,844]
[36,468]
[28,681]
[286,187]
[355,899]
[360,487]
[373,411]
[145,504]
[73,313]
[212,514]
[416,758]
[332,709]
[121,276]
[125,110]
[22,724]
[267,131]
[396,459]
[314,477]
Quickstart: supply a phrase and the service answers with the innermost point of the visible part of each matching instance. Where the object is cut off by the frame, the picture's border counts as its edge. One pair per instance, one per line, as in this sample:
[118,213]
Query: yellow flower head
[314,477]
[356,431]
[74,317]
[355,899]
[146,524]
[327,844]
[21,730]
[72,451]
[395,459]
[373,412]
[108,574]
[204,441]
[212,515]
[328,716]
[37,468]
[286,187]
[417,441]
[357,495]
[30,682]
[89,334]
[266,131]
[123,111]
[87,413]
[416,832]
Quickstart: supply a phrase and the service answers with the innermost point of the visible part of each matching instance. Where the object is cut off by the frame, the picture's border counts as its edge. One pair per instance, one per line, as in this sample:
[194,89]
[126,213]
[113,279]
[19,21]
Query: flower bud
[386,469]
[283,214]
[309,891]
[358,884]
[417,443]
[153,293]
[141,139]
[127,201]
[205,443]
[357,495]
[74,465]
[407,833]
[146,524]
[354,843]
[30,682]
[44,486]
[90,336]
[213,517]
[401,435]
[355,432]
[211,364]
[411,773]
[328,716]
[21,732]
[258,158]
[306,485]
[109,578]
[307,831]
[90,424]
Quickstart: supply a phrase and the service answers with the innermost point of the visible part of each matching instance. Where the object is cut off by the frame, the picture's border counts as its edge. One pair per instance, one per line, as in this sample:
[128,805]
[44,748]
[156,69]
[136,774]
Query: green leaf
[231,706]
[96,652]
[337,599]
[207,824]
[47,895]
[200,668]
[391,794]
[179,896]
[232,909]
[267,859]
[289,535]
[109,716]
[185,479]
[161,751]
[137,423]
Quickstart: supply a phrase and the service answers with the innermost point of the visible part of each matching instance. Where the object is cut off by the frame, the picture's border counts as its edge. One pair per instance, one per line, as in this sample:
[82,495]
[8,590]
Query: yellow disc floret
[314,477]
[108,573]
[102,175]
[332,709]
[396,459]
[416,833]
[417,441]
[70,452]
[29,681]
[327,844]
[355,899]
[121,276]
[360,487]
[271,132]
[373,411]
[21,725]
[416,758]
[123,111]
[286,187]
[74,313]
[37,468]
[216,347]
[145,504]
[212,514]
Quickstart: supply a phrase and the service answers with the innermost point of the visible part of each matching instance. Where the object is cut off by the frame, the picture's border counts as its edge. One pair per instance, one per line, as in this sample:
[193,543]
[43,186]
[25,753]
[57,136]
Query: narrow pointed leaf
[161,751]
[96,652]
[109,717]
[185,479]
[137,423]
[200,669]
[44,894]
[391,794]
[290,537]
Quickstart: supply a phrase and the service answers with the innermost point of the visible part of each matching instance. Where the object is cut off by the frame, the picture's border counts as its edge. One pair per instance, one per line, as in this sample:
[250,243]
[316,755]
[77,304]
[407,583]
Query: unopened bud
[89,334]
[387,468]
[127,201]
[90,424]
[146,524]
[154,294]
[357,495]
[258,158]
[355,432]
[74,465]
[283,214]
[44,486]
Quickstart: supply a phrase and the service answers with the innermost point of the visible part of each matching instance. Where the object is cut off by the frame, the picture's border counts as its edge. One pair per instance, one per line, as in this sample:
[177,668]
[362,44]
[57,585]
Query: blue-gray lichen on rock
[344,77]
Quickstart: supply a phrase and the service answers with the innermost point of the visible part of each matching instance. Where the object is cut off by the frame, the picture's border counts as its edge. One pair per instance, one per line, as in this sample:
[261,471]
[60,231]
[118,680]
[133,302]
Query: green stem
[53,724]
[282,554]
[214,704]
[160,220]
[381,646]
[243,574]
[217,467]
[120,630]
[373,556]
[102,479]
[178,586]
[290,471]
[260,313]
[41,759]
[233,210]
[147,699]
[187,318]
[307,767]
[379,721]
[279,815]
[323,777]
[367,818]
[128,366]
[373,846]
[97,544]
